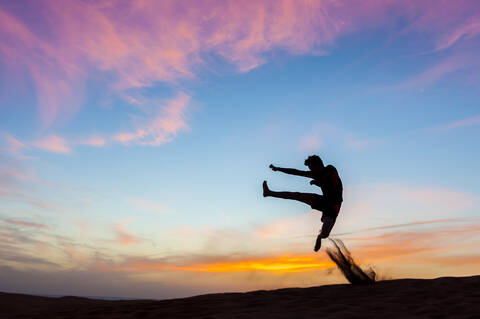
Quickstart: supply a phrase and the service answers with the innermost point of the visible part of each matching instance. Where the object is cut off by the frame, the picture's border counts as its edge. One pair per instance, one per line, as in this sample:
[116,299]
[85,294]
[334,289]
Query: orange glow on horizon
[280,264]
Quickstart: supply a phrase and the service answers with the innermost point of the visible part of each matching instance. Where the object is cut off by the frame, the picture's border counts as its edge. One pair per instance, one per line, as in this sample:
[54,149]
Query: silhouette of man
[325,177]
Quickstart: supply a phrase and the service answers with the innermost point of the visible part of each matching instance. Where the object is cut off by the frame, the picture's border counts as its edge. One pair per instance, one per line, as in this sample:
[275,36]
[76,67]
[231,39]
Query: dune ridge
[446,297]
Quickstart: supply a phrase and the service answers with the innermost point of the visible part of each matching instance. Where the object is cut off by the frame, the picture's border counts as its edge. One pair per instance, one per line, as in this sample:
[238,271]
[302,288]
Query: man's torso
[331,184]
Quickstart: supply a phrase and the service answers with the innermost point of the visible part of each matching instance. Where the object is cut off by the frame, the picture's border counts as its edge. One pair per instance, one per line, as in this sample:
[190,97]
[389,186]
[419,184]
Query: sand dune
[447,297]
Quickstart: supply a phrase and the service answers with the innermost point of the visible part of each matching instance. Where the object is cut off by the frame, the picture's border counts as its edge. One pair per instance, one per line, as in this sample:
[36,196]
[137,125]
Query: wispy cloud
[434,73]
[53,143]
[14,146]
[423,243]
[368,204]
[159,122]
[137,55]
[398,249]
[56,79]
[20,185]
[451,126]
[176,39]
[474,120]
[469,29]
[412,224]
[123,236]
[158,128]
[380,245]
[24,223]
[454,30]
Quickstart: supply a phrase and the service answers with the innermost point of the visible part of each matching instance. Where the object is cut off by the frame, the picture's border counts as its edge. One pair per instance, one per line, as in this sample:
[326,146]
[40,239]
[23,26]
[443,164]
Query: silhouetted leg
[328,222]
[307,198]
[327,226]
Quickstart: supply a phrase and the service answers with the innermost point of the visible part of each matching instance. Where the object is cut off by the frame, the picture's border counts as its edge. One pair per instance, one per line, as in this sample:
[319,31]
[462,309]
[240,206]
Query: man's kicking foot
[318,243]
[266,190]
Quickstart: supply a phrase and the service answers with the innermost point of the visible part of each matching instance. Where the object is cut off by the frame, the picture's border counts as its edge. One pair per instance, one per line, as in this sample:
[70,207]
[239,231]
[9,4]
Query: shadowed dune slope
[447,297]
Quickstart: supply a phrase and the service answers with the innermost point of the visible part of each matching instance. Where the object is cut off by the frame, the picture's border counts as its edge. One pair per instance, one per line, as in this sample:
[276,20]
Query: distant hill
[447,297]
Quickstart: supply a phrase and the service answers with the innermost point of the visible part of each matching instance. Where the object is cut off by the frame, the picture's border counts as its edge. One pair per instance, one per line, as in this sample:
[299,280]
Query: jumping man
[325,177]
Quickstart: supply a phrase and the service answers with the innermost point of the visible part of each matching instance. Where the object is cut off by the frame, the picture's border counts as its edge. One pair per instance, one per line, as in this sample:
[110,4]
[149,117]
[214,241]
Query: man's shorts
[326,207]
[329,213]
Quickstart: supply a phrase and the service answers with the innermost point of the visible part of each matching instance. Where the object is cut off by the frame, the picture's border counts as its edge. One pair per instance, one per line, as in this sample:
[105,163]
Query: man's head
[314,163]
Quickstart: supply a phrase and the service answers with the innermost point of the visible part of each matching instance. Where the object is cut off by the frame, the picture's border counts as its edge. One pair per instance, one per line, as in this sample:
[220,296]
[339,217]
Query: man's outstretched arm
[292,171]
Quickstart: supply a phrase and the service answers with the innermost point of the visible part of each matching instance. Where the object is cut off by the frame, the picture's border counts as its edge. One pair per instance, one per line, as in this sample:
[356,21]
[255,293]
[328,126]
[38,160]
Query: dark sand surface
[448,297]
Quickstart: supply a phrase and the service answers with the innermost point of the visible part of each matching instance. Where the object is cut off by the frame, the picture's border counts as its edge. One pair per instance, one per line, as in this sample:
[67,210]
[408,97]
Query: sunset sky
[135,135]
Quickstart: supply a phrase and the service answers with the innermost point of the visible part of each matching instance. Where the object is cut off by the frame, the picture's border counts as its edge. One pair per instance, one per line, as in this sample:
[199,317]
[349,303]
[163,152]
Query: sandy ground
[448,297]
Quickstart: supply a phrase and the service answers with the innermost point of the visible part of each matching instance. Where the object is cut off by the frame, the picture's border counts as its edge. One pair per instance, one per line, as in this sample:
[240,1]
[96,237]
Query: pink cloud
[14,145]
[446,23]
[54,144]
[140,43]
[435,73]
[56,79]
[51,143]
[123,235]
[458,124]
[161,126]
[469,29]
[475,120]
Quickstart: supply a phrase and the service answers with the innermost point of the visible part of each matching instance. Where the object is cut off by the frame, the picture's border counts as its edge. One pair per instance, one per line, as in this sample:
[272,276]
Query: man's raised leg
[307,198]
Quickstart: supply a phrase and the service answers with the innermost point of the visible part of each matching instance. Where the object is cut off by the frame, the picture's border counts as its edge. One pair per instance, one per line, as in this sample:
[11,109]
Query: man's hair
[313,160]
